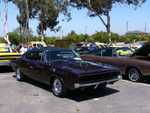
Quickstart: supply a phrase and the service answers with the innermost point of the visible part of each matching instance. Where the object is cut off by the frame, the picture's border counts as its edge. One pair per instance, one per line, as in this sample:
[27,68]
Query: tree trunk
[108,22]
[42,32]
[108,25]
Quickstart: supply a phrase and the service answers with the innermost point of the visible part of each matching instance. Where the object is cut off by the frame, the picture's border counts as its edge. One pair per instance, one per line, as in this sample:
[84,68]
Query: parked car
[134,67]
[111,51]
[38,44]
[63,69]
[7,54]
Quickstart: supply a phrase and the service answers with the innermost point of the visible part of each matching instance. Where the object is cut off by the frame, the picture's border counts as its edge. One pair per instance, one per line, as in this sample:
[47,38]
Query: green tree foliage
[50,40]
[104,38]
[2,40]
[73,37]
[134,37]
[14,38]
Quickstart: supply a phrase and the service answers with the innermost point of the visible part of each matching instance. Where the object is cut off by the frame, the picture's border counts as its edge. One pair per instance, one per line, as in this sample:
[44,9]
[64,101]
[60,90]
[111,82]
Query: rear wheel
[134,75]
[58,88]
[19,75]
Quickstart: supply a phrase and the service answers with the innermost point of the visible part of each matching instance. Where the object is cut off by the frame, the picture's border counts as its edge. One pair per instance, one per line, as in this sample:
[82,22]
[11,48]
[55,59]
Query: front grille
[98,77]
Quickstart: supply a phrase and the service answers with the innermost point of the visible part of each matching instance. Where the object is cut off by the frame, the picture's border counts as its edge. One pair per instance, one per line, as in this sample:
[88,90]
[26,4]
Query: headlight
[119,77]
[76,85]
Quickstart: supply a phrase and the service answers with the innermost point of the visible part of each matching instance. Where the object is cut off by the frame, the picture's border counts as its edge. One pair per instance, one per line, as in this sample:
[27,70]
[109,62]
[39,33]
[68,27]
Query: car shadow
[77,95]
[146,80]
[35,83]
[88,94]
[5,69]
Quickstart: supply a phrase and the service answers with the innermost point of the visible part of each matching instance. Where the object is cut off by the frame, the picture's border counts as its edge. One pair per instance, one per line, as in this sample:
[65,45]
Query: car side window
[107,52]
[44,57]
[34,55]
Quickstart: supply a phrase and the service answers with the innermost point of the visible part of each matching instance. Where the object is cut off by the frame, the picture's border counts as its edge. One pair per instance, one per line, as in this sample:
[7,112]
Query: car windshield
[62,54]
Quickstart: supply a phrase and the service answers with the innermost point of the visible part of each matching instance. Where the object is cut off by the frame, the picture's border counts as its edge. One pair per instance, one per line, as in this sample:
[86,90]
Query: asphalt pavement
[32,97]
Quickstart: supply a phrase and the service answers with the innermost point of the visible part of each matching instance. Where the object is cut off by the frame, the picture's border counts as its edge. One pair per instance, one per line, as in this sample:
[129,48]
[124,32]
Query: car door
[25,64]
[31,63]
[42,69]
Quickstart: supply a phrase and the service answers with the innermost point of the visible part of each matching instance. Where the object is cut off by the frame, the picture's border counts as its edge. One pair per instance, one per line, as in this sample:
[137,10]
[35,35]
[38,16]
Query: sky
[137,19]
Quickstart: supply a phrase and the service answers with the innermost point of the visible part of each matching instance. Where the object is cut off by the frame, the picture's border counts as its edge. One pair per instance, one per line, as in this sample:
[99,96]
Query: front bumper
[78,85]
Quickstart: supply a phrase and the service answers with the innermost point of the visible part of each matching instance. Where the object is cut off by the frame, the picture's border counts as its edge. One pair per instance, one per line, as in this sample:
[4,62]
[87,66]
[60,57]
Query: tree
[75,38]
[102,8]
[50,40]
[45,11]
[14,38]
[103,37]
[18,31]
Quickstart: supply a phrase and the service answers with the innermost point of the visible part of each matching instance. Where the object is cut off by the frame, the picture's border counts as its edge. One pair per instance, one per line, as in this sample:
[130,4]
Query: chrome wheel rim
[133,75]
[57,87]
[18,76]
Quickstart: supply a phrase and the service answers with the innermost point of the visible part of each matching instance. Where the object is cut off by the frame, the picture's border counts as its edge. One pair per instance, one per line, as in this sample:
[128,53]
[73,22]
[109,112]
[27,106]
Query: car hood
[81,67]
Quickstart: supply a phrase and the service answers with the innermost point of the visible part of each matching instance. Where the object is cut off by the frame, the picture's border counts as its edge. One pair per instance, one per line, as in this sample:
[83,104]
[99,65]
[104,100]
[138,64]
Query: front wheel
[58,88]
[134,75]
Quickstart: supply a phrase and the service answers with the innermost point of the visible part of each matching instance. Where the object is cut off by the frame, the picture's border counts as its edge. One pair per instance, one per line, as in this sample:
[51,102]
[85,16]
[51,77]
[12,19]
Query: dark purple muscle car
[63,70]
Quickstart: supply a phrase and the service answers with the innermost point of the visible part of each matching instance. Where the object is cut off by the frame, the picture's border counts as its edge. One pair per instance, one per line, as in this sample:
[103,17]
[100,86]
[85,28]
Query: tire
[134,75]
[19,75]
[58,88]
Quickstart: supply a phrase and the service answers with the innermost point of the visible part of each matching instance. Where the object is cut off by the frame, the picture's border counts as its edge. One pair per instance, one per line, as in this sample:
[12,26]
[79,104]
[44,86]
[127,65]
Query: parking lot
[32,97]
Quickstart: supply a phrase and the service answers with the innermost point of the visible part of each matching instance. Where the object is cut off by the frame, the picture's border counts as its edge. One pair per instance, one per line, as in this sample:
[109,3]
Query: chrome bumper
[78,85]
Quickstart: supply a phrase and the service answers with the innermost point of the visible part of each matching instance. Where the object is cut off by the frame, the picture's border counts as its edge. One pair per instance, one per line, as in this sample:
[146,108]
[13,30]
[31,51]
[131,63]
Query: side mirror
[149,54]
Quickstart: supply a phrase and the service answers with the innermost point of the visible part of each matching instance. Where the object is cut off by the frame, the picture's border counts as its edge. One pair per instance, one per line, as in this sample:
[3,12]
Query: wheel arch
[130,67]
[140,78]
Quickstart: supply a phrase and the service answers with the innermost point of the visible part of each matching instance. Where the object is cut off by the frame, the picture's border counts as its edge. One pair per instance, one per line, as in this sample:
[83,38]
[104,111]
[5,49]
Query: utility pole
[145,28]
[127,26]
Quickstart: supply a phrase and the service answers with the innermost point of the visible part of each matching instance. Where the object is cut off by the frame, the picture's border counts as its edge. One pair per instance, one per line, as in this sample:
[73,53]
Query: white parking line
[143,84]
